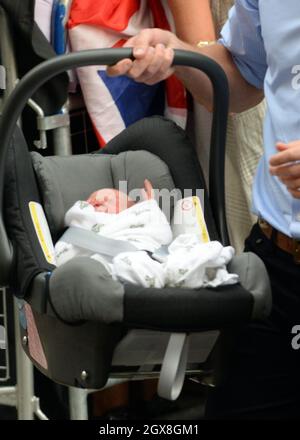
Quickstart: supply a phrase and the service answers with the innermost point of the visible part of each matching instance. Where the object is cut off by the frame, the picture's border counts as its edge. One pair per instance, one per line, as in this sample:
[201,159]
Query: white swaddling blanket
[143,224]
[190,263]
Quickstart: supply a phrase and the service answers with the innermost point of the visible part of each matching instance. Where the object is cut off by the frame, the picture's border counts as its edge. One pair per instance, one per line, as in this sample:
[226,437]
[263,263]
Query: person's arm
[193,20]
[153,52]
[242,94]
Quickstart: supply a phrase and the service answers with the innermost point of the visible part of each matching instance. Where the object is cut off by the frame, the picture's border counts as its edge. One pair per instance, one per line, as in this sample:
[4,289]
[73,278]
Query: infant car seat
[78,325]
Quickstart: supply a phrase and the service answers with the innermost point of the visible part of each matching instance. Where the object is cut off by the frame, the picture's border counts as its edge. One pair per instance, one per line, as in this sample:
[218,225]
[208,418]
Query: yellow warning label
[201,220]
[38,225]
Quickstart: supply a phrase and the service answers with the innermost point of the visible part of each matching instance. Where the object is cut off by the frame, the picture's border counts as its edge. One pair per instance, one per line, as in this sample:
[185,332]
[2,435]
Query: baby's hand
[147,192]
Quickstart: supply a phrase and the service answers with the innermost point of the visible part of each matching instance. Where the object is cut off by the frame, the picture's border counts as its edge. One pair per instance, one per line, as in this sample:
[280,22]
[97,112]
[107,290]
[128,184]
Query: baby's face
[110,201]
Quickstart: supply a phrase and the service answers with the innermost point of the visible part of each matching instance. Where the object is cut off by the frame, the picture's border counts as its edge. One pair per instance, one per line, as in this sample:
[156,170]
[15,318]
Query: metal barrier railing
[4,349]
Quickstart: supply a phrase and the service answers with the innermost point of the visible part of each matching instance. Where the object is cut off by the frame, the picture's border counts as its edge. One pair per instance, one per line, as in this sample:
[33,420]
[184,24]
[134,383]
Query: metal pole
[24,372]
[7,55]
[62,138]
[78,403]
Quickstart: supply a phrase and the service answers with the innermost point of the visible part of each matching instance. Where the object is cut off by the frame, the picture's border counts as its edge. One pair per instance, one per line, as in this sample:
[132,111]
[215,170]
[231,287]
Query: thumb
[121,68]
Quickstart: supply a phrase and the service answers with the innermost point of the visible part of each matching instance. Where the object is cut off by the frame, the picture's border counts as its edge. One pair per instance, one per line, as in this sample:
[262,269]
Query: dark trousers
[263,380]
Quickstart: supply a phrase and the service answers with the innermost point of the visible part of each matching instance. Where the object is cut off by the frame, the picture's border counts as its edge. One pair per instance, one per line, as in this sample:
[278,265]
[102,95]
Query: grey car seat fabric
[253,277]
[65,180]
[83,287]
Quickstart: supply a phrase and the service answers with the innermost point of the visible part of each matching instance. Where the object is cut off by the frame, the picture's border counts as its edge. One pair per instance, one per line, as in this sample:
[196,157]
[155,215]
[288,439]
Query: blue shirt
[264,39]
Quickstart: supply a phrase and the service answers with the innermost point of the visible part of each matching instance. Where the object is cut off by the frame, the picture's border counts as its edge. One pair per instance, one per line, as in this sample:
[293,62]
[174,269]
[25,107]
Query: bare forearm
[153,52]
[193,20]
[242,95]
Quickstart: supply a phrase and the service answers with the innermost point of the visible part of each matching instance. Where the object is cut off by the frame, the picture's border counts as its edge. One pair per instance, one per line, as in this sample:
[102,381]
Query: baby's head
[112,201]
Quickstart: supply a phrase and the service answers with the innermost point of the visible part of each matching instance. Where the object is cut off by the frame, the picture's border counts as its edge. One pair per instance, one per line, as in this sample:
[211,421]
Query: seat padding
[254,277]
[83,289]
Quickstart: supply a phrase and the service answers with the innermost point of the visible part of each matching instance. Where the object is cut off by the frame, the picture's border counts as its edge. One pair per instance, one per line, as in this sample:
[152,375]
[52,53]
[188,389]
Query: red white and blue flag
[115,103]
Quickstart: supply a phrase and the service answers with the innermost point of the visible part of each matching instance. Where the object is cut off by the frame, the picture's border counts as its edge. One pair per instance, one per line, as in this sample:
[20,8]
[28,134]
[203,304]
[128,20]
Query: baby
[111,213]
[112,201]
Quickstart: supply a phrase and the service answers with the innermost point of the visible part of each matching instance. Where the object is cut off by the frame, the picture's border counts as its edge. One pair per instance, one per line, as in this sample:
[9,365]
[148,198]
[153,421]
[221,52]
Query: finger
[286,171]
[295,193]
[144,195]
[157,60]
[148,189]
[149,37]
[290,183]
[281,146]
[278,159]
[141,41]
[140,66]
[291,144]
[287,156]
[160,67]
[130,42]
[155,65]
[120,68]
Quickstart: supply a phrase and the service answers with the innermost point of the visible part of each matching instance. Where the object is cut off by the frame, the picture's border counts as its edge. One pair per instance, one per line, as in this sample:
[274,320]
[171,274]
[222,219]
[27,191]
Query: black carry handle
[36,77]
